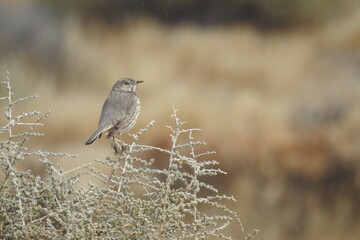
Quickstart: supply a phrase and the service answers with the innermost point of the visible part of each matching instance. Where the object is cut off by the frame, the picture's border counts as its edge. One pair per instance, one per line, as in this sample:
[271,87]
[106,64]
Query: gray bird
[120,110]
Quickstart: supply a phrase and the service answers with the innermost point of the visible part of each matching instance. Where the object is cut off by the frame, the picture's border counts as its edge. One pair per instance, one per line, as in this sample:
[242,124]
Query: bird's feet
[119,149]
[125,149]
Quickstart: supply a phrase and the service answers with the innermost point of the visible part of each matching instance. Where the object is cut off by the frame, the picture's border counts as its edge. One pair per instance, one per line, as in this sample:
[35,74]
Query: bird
[120,110]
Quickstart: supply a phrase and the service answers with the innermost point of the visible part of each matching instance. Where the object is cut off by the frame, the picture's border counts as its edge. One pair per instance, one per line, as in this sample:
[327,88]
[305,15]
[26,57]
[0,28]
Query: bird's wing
[115,109]
[114,129]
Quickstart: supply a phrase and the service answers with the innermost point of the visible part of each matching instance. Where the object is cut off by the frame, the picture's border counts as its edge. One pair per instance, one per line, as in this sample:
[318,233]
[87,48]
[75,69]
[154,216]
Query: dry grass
[281,109]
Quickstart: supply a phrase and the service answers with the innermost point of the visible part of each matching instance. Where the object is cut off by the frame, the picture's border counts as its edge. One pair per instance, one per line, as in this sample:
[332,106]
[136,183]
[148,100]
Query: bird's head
[126,85]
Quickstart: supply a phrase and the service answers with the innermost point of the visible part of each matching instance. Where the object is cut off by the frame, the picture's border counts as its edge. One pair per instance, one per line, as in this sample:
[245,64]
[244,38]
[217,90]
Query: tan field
[281,109]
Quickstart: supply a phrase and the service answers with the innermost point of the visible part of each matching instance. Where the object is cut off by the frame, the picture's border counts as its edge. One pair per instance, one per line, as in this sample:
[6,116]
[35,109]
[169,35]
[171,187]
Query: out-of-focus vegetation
[262,13]
[279,107]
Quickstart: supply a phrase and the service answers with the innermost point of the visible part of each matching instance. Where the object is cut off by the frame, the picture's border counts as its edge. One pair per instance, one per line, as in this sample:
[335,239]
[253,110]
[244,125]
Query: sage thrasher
[120,110]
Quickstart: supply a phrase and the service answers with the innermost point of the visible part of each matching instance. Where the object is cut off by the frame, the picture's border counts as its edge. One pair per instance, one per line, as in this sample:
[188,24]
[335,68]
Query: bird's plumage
[119,111]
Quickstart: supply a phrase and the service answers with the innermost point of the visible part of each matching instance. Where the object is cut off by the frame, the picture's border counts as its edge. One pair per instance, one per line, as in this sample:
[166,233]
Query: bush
[135,201]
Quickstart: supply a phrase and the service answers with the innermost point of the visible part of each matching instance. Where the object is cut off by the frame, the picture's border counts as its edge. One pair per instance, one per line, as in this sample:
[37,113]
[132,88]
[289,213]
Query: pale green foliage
[135,200]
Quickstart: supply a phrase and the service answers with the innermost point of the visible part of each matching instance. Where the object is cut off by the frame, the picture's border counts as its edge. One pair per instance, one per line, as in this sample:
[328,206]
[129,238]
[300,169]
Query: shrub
[134,201]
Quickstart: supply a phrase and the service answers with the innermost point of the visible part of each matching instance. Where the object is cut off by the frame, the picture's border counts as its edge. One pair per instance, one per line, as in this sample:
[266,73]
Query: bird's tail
[96,134]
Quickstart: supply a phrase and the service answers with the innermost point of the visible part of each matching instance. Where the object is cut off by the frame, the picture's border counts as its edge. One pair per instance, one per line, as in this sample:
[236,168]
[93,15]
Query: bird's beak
[139,81]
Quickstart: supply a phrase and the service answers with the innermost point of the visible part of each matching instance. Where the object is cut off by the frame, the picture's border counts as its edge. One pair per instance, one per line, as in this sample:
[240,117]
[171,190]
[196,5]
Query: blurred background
[275,85]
